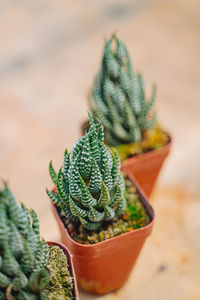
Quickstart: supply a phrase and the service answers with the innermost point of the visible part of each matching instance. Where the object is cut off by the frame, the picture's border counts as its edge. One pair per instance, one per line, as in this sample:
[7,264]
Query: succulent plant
[23,255]
[90,187]
[118,97]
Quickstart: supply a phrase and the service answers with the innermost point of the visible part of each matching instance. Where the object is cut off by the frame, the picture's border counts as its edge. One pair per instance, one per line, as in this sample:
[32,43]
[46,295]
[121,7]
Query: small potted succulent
[30,268]
[118,99]
[104,218]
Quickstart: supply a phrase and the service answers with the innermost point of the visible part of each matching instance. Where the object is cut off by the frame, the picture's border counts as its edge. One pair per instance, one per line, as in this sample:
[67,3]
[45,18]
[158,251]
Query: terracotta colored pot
[146,167]
[105,266]
[71,267]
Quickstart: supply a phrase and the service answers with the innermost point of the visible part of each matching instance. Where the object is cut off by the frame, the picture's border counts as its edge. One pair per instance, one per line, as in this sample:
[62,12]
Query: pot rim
[150,153]
[143,199]
[71,266]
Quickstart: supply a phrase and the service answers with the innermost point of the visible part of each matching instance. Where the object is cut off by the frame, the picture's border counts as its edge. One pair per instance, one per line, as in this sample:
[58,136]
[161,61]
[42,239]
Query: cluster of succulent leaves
[90,187]
[61,282]
[134,217]
[118,97]
[23,255]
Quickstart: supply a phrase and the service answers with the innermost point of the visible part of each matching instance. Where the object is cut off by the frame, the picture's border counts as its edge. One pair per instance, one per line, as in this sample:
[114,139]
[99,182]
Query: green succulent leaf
[75,190]
[52,172]
[118,195]
[109,213]
[60,186]
[54,197]
[94,215]
[38,280]
[20,281]
[107,177]
[15,241]
[35,223]
[95,179]
[3,223]
[87,200]
[4,280]
[41,255]
[90,225]
[77,147]
[27,296]
[93,139]
[10,266]
[76,210]
[85,164]
[28,259]
[116,167]
[121,206]
[104,198]
[66,165]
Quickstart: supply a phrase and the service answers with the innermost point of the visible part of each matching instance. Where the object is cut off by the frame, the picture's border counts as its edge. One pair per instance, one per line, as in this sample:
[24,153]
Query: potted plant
[103,216]
[30,268]
[118,99]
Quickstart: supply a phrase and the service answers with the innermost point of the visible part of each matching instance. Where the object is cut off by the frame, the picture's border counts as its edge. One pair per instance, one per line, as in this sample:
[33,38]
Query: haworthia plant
[118,97]
[90,187]
[23,255]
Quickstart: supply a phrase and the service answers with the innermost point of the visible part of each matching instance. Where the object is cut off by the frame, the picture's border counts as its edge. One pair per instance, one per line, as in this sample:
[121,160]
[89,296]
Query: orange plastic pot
[146,167]
[71,267]
[105,266]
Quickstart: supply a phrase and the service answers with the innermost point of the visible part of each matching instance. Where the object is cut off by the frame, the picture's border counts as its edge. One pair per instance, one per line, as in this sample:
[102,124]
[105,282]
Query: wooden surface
[49,53]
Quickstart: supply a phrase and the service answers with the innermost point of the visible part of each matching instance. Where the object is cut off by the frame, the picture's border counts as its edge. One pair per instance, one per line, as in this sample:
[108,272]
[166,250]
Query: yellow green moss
[61,283]
[154,138]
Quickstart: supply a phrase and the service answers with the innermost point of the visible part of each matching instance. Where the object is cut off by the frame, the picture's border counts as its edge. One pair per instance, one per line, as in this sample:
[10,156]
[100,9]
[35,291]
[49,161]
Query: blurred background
[50,51]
